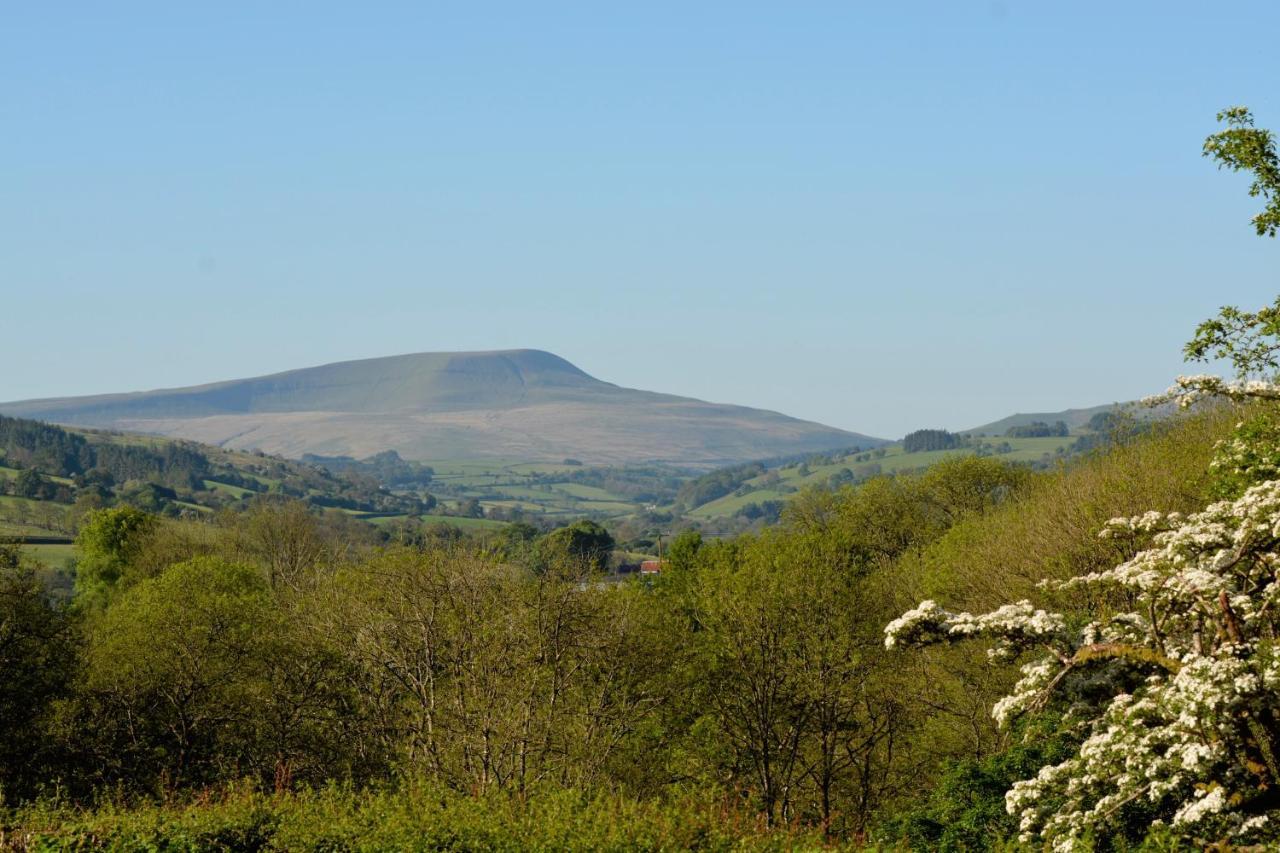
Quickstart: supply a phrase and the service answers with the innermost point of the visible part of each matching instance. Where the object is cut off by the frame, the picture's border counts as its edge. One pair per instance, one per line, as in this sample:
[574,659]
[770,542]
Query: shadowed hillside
[525,404]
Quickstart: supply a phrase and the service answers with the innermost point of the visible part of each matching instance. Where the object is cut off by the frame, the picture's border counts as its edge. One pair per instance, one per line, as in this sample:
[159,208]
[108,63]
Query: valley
[51,476]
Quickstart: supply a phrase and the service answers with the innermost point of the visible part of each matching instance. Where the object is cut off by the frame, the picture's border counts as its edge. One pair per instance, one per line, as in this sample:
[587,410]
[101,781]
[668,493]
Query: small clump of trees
[1038,429]
[931,439]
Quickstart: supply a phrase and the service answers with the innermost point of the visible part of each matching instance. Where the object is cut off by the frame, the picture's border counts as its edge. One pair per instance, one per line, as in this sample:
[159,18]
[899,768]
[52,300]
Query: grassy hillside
[782,482]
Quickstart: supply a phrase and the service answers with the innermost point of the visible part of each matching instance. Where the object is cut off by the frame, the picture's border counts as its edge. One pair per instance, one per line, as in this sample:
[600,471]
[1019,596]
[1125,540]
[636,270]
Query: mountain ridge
[518,403]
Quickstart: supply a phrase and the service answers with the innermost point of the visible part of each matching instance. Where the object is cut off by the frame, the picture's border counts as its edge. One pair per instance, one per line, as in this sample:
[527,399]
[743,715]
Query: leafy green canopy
[107,542]
[1245,148]
[1249,340]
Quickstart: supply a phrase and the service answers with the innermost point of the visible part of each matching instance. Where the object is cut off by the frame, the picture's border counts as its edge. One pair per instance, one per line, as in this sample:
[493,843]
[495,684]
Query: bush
[415,816]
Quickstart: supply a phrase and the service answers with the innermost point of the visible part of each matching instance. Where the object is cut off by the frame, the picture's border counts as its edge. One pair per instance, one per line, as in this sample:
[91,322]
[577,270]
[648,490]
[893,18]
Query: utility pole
[661,533]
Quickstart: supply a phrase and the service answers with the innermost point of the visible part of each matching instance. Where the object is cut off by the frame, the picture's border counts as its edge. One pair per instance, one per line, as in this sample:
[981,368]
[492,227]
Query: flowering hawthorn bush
[1176,695]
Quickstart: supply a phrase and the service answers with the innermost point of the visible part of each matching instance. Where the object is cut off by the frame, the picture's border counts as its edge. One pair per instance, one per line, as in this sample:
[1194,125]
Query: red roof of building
[650,567]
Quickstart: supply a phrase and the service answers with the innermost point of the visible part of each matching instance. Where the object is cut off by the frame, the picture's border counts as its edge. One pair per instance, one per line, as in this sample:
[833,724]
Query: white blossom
[1188,390]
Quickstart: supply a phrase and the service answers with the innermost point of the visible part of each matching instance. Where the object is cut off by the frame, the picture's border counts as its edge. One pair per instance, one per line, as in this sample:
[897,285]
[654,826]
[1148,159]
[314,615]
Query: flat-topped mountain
[517,404]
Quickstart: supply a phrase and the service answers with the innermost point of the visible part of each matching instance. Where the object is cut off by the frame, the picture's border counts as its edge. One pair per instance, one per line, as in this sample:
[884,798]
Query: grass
[456,467]
[12,473]
[227,489]
[472,524]
[580,490]
[465,523]
[613,507]
[525,506]
[511,484]
[730,504]
[132,439]
[33,505]
[12,528]
[52,555]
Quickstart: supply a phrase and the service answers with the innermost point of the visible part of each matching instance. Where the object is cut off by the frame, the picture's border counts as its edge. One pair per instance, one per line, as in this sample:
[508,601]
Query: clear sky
[879,216]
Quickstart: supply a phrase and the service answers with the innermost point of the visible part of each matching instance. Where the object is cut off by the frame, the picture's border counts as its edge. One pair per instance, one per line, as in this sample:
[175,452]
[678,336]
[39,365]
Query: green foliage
[182,658]
[716,484]
[965,809]
[57,451]
[1249,455]
[1037,429]
[1051,531]
[583,540]
[285,539]
[107,542]
[517,538]
[1245,148]
[931,439]
[386,467]
[413,816]
[29,484]
[682,553]
[170,477]
[37,656]
[1249,340]
[49,448]
[274,644]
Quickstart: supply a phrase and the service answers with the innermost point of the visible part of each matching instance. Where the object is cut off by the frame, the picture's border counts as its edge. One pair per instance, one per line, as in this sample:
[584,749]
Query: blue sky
[879,216]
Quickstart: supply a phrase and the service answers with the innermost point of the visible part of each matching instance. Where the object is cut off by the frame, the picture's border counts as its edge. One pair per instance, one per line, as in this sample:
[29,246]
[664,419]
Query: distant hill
[515,404]
[1074,419]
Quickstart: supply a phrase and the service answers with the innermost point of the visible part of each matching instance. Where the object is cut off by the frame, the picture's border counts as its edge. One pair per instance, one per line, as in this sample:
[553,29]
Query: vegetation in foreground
[409,817]
[749,681]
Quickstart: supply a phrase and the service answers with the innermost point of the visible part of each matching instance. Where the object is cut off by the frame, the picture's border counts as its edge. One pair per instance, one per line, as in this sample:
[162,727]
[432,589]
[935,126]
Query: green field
[228,489]
[730,504]
[510,484]
[51,555]
[13,501]
[9,528]
[468,524]
[12,473]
